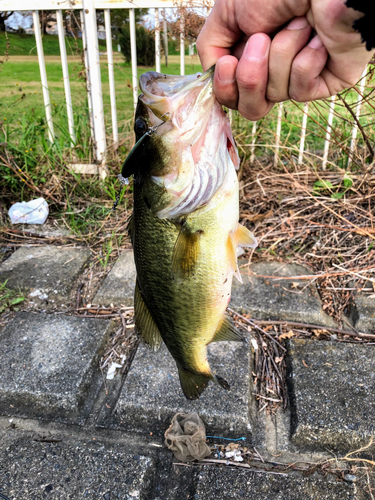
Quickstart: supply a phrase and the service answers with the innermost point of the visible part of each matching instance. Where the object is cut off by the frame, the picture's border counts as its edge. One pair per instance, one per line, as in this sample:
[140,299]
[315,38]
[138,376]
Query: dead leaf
[278,360]
[288,335]
[295,284]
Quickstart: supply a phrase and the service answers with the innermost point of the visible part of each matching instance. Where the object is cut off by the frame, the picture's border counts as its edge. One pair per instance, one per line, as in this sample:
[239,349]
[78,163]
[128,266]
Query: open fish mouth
[190,124]
[164,94]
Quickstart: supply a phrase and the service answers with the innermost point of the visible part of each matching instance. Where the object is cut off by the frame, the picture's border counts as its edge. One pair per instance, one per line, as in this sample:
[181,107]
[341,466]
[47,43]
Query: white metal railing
[87,9]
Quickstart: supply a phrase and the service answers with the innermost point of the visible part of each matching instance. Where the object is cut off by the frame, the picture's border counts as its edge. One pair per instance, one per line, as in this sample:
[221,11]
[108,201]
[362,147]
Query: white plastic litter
[30,212]
[235,454]
[112,370]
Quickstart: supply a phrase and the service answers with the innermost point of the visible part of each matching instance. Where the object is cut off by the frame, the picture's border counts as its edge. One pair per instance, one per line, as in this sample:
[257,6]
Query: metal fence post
[43,75]
[157,41]
[133,50]
[357,114]
[303,133]
[111,74]
[328,132]
[64,64]
[278,134]
[95,82]
[89,100]
[182,44]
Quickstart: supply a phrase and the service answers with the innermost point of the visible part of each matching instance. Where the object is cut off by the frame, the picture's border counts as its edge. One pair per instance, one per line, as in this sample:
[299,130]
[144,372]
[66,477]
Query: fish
[184,227]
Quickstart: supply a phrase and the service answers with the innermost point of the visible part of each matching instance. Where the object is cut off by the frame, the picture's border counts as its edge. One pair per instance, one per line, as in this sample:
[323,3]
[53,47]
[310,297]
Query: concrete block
[332,393]
[48,364]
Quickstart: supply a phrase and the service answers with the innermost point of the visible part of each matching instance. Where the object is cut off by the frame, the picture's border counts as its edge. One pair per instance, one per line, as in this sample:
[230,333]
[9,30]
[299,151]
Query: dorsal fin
[232,255]
[185,253]
[144,323]
[228,332]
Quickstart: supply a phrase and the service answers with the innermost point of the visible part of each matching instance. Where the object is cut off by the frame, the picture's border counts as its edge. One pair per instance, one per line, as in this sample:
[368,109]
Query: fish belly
[188,311]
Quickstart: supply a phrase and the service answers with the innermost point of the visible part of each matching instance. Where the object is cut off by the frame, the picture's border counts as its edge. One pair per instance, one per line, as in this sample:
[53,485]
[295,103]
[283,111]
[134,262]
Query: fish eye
[140,126]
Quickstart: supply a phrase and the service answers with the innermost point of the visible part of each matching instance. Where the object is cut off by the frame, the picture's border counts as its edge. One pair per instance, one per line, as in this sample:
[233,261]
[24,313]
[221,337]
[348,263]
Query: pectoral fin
[185,254]
[232,254]
[244,237]
[144,322]
[228,332]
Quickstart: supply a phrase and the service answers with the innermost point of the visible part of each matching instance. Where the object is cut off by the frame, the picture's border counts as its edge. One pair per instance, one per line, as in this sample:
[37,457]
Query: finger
[306,82]
[284,48]
[216,37]
[225,86]
[251,76]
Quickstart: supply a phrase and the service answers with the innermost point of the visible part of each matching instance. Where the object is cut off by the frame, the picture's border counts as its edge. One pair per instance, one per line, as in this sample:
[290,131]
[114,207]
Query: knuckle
[248,82]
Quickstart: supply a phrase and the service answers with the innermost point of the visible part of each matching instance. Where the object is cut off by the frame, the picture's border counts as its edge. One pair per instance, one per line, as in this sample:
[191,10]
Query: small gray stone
[45,230]
[152,394]
[48,272]
[118,287]
[363,312]
[332,392]
[47,363]
[268,298]
[223,484]
[67,470]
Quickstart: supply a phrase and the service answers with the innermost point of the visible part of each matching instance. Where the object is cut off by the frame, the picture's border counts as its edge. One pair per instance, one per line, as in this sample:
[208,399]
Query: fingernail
[297,23]
[256,48]
[316,43]
[223,69]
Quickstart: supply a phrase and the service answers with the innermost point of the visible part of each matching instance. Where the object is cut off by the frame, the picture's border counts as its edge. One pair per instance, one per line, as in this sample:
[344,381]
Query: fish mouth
[165,95]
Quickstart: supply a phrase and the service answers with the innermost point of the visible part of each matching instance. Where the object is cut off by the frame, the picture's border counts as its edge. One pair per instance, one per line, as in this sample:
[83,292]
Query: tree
[46,18]
[193,23]
[4,16]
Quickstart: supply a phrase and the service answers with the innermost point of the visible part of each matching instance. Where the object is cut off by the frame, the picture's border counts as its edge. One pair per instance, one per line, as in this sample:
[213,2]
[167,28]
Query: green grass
[9,298]
[24,45]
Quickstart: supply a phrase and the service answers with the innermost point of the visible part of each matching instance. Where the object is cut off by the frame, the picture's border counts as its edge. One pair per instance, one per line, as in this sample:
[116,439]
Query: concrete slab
[224,484]
[268,298]
[48,364]
[332,394]
[363,312]
[66,470]
[118,286]
[152,395]
[48,272]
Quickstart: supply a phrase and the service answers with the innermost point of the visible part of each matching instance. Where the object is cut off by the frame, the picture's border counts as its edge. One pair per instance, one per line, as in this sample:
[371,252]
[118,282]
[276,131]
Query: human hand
[254,71]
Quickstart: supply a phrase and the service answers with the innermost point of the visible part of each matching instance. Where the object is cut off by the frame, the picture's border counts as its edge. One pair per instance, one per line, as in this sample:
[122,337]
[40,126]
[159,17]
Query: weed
[9,298]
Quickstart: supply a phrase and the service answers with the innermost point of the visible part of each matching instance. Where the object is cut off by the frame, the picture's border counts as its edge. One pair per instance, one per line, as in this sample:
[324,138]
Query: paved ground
[66,434]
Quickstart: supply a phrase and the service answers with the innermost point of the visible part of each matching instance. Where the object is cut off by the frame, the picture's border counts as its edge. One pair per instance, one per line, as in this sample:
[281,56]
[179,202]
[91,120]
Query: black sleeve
[364,25]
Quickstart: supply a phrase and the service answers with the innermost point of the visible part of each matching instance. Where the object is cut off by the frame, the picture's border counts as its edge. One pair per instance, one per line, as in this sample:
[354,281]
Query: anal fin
[144,322]
[228,332]
[192,384]
[185,253]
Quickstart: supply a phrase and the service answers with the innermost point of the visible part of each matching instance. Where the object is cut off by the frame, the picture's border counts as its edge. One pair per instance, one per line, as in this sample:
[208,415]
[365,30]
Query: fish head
[184,142]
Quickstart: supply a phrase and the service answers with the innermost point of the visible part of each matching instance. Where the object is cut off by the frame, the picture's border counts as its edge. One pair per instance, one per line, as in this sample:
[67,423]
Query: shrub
[145,41]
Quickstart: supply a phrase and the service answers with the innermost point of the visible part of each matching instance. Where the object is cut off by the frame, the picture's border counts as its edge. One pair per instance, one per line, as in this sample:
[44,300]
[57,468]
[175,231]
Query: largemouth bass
[184,228]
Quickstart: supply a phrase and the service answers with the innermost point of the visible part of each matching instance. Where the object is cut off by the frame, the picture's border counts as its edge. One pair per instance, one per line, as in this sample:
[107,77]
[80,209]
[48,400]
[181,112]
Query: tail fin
[193,384]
